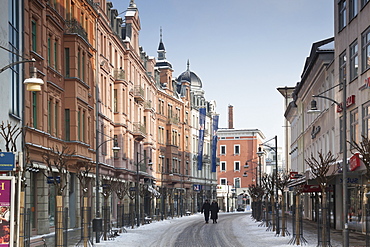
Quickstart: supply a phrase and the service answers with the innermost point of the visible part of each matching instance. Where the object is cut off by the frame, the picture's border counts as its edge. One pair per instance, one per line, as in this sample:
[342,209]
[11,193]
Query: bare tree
[282,183]
[10,134]
[256,192]
[56,160]
[323,169]
[268,184]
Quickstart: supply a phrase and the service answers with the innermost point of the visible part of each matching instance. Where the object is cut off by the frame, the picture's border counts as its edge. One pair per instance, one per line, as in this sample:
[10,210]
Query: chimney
[231,117]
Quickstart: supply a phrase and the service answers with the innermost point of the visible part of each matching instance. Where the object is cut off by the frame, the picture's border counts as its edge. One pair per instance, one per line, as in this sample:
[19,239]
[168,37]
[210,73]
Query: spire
[161,49]
[188,65]
[132,4]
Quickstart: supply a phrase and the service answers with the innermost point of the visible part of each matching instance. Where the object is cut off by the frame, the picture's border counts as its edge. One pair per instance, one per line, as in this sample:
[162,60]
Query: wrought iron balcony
[74,27]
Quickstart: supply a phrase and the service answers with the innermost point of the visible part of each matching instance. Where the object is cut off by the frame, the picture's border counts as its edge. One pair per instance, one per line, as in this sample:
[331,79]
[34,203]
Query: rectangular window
[66,62]
[353,9]
[49,115]
[237,149]
[236,166]
[342,68]
[223,166]
[67,125]
[55,55]
[34,35]
[223,181]
[49,51]
[353,52]
[222,150]
[354,134]
[83,67]
[79,64]
[366,119]
[34,109]
[342,14]
[83,126]
[364,2]
[79,125]
[366,50]
[56,119]
[237,182]
[115,100]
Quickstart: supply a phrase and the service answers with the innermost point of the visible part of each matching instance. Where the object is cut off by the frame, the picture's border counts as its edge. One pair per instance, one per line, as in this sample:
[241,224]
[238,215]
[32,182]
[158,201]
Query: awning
[153,191]
[298,181]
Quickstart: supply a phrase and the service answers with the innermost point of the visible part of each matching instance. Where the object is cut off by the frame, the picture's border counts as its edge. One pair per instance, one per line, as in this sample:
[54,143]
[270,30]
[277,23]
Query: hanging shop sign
[354,162]
[7,208]
[350,101]
[7,161]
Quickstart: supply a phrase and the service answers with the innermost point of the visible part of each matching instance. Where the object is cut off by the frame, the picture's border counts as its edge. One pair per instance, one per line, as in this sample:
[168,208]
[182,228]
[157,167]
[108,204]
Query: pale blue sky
[241,49]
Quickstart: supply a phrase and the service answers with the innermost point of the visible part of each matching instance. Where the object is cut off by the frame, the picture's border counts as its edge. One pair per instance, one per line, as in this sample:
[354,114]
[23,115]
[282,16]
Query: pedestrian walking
[214,211]
[205,209]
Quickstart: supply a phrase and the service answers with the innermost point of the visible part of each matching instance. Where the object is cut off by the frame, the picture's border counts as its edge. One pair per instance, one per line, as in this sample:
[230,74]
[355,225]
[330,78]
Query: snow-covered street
[245,230]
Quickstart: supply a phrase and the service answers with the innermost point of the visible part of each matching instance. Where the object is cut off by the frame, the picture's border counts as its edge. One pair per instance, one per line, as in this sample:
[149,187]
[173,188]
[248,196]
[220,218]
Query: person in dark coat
[205,209]
[214,211]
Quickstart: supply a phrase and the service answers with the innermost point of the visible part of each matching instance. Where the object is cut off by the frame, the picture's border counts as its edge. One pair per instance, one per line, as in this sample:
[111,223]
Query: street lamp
[343,106]
[137,204]
[33,83]
[98,221]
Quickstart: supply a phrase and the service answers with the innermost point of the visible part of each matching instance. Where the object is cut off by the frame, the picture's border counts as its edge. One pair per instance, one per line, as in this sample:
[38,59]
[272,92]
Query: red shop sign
[350,101]
[354,162]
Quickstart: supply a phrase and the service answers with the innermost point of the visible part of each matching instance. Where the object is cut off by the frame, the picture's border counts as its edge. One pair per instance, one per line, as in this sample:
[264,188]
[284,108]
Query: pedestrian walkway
[356,239]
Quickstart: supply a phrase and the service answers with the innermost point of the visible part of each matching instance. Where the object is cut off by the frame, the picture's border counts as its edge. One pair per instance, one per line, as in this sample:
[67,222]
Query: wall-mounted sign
[197,187]
[7,161]
[366,84]
[315,131]
[354,162]
[350,101]
[7,187]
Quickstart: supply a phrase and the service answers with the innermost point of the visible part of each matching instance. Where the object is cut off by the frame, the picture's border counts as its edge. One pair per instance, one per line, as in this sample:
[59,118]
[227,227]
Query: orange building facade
[239,166]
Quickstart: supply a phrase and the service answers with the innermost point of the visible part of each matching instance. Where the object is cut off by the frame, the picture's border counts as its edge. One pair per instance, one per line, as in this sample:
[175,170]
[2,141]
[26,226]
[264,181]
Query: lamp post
[137,203]
[260,153]
[227,198]
[314,109]
[98,220]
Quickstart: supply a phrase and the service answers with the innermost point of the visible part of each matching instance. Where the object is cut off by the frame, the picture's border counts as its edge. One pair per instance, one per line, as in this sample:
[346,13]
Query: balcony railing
[139,130]
[139,93]
[119,74]
[173,120]
[74,27]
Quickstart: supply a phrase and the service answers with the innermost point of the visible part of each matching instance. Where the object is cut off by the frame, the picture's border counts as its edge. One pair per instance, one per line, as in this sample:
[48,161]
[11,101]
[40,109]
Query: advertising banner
[214,143]
[202,123]
[7,187]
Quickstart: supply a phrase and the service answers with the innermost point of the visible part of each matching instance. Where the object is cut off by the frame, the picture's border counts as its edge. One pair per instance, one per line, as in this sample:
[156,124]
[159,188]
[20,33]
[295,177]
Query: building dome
[190,77]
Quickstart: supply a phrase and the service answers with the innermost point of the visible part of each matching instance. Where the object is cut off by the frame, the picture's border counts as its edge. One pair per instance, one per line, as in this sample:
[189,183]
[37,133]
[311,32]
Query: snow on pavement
[246,230]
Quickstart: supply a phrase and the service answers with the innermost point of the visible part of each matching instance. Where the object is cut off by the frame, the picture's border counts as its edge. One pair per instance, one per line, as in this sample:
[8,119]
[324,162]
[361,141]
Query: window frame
[237,149]
[354,126]
[342,14]
[354,61]
[223,166]
[222,148]
[365,50]
[236,165]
